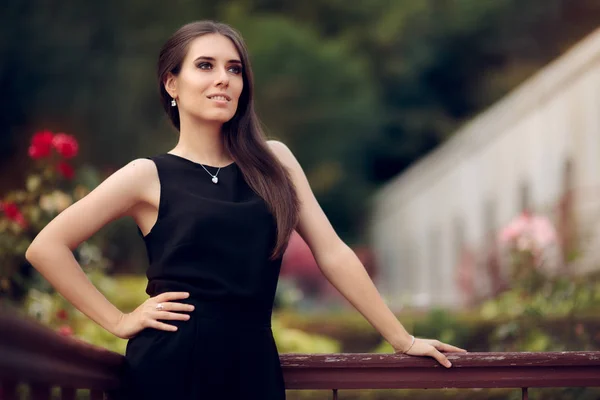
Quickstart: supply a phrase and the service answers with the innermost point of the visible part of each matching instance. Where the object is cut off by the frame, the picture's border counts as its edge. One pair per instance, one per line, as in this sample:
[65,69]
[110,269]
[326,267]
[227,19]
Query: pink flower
[65,330]
[65,170]
[543,231]
[66,145]
[515,228]
[509,234]
[528,231]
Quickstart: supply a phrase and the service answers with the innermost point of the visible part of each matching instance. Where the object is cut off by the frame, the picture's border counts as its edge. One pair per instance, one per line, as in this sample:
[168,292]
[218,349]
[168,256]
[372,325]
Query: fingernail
[448,364]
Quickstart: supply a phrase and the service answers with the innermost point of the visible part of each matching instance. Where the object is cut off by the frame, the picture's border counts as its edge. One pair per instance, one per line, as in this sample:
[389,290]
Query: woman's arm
[343,269]
[51,252]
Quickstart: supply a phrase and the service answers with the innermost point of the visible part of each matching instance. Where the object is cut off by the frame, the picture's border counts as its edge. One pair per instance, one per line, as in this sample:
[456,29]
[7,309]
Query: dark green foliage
[359,90]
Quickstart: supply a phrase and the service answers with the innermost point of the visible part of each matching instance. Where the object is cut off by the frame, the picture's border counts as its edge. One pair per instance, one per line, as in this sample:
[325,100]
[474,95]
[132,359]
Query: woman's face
[210,82]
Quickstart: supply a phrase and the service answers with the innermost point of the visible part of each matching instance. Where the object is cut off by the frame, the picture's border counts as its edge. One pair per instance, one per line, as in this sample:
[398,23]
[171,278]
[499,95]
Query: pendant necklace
[214,177]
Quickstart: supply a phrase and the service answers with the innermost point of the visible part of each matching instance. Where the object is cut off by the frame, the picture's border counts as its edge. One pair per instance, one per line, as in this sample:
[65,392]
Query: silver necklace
[214,177]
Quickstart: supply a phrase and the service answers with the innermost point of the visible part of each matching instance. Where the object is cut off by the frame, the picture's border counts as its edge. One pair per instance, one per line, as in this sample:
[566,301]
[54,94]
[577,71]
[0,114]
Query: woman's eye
[235,69]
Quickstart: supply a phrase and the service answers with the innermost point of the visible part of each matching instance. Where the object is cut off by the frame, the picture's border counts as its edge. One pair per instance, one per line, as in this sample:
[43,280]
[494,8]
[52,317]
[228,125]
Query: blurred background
[453,144]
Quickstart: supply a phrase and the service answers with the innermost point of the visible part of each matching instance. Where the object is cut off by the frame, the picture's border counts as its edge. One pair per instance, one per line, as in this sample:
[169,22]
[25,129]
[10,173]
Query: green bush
[127,293]
[561,314]
[466,329]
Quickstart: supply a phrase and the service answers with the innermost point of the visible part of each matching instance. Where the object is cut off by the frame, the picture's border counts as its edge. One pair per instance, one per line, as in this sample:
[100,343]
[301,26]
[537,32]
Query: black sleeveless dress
[213,241]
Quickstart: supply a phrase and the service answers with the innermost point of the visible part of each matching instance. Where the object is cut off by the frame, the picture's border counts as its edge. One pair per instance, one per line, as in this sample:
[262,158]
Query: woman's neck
[202,143]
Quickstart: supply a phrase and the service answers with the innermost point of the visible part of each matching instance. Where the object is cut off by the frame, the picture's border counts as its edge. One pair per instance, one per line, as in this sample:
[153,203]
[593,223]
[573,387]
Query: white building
[538,143]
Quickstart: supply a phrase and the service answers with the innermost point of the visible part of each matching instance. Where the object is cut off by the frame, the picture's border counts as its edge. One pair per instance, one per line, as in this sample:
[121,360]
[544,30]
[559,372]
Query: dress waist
[232,309]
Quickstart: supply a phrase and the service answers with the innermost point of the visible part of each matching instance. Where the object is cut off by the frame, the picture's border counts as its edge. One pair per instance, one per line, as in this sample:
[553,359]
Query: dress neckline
[198,164]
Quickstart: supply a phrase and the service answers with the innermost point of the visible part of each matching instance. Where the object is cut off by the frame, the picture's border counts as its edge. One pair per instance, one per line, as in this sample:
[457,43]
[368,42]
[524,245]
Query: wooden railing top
[466,360]
[470,370]
[33,353]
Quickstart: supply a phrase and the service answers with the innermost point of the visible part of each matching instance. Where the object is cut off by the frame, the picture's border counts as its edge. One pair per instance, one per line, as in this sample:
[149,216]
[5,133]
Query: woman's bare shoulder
[138,177]
[140,167]
[282,152]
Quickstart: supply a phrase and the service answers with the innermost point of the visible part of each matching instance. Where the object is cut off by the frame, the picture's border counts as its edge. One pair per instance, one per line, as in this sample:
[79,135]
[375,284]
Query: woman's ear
[171,85]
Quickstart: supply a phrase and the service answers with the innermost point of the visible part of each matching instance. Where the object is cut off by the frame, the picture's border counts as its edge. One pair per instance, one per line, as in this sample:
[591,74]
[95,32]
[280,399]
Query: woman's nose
[223,78]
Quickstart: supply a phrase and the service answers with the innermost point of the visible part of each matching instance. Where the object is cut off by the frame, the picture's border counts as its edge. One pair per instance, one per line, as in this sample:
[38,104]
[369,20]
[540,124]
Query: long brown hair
[243,136]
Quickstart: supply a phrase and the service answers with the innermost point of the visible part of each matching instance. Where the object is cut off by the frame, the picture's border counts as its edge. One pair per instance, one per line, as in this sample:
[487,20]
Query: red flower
[20,219]
[42,139]
[41,144]
[10,210]
[13,213]
[65,330]
[37,152]
[66,145]
[65,170]
[62,314]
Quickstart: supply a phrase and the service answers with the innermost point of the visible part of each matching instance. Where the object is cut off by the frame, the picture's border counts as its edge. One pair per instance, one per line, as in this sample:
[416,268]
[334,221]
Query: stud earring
[173,103]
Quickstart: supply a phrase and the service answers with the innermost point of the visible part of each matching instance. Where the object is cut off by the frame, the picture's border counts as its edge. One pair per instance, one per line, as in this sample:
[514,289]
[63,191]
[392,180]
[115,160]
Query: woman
[215,213]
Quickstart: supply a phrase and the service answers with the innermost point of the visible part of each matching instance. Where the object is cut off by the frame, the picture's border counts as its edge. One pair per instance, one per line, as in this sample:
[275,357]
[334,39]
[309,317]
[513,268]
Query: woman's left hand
[432,348]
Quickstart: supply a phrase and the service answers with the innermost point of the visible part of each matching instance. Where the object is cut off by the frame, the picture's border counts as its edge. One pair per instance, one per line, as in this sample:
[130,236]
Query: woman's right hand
[147,315]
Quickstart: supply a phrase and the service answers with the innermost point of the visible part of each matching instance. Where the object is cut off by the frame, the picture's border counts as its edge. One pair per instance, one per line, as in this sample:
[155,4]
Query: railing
[37,356]
[33,354]
[471,370]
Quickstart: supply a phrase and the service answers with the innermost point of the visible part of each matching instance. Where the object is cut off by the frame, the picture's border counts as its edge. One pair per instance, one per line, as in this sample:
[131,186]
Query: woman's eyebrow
[206,58]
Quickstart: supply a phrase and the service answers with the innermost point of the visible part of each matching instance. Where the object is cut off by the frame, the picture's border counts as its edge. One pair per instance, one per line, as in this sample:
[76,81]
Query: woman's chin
[220,118]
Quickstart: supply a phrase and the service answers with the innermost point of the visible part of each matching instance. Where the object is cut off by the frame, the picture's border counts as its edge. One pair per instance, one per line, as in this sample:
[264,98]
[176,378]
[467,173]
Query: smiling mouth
[220,97]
